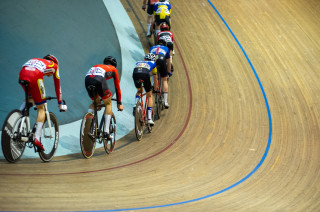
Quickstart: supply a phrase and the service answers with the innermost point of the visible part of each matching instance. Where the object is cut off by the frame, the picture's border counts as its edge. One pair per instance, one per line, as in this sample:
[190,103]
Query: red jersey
[43,67]
[165,34]
[108,72]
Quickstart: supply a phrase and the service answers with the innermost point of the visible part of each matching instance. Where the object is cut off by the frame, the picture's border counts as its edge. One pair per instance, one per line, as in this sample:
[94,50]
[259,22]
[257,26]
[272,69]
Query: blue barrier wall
[79,33]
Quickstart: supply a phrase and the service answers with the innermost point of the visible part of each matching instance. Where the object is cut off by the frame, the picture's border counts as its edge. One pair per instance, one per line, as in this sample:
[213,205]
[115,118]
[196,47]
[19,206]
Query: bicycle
[17,134]
[91,132]
[141,115]
[159,100]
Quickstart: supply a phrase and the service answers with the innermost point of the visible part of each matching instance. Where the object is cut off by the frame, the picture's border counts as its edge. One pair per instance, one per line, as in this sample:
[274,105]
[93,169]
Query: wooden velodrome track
[242,133]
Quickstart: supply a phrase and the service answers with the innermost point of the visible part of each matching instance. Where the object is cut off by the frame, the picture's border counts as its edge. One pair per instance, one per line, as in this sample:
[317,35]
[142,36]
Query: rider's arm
[56,78]
[117,86]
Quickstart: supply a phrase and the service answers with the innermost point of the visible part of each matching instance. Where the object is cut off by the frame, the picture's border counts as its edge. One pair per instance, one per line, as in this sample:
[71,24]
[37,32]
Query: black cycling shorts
[158,21]
[142,74]
[101,85]
[162,65]
[150,8]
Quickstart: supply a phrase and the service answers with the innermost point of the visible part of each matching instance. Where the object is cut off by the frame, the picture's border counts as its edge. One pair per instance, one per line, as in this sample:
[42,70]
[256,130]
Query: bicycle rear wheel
[158,104]
[87,136]
[11,143]
[110,144]
[49,138]
[138,122]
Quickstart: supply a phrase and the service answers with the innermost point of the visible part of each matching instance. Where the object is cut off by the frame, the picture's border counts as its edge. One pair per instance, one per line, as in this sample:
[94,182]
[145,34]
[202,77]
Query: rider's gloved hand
[63,108]
[170,74]
[144,7]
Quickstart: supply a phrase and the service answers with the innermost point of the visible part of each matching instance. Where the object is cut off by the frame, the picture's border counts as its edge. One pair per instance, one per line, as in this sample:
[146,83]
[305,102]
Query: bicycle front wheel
[139,122]
[110,144]
[87,135]
[11,143]
[49,138]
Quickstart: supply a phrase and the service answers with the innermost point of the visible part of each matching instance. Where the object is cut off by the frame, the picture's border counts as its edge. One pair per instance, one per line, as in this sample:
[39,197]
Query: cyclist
[142,72]
[150,14]
[164,65]
[161,11]
[98,76]
[33,71]
[168,36]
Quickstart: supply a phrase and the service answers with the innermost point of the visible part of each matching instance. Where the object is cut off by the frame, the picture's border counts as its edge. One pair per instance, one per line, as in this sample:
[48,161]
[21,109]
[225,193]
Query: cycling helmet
[51,57]
[162,41]
[164,27]
[110,61]
[150,56]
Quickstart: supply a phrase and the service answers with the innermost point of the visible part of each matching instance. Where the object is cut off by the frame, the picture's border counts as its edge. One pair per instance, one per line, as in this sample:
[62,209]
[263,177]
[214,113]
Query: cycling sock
[148,27]
[23,105]
[90,110]
[106,123]
[165,97]
[149,112]
[38,130]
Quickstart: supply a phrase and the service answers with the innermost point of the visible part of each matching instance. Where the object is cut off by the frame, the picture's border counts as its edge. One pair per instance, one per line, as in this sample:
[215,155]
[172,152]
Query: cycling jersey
[33,71]
[167,34]
[159,49]
[162,8]
[150,6]
[142,73]
[107,72]
[150,65]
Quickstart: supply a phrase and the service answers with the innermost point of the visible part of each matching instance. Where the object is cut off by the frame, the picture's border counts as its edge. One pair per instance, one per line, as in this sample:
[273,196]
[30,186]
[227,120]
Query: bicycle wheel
[12,145]
[138,122]
[110,144]
[88,135]
[158,105]
[49,138]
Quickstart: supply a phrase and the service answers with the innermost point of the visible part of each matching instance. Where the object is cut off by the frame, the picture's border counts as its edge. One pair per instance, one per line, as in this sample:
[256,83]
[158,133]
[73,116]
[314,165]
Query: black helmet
[150,56]
[110,61]
[51,57]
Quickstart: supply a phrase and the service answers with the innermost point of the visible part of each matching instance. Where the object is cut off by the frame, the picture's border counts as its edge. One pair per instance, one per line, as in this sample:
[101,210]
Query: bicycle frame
[25,114]
[144,106]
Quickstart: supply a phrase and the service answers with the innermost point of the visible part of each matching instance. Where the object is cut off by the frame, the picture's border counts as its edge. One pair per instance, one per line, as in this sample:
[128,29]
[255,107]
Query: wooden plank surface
[217,129]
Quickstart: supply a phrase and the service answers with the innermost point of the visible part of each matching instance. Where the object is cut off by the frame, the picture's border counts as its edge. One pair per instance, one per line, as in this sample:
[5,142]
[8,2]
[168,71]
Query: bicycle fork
[26,120]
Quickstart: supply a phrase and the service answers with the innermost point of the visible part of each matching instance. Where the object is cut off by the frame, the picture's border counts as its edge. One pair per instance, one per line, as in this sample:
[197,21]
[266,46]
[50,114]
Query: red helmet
[51,57]
[164,27]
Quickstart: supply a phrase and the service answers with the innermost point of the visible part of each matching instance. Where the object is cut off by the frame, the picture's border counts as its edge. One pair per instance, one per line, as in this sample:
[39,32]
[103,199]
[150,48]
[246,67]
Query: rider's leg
[108,113]
[169,65]
[165,91]
[91,107]
[149,24]
[40,120]
[149,107]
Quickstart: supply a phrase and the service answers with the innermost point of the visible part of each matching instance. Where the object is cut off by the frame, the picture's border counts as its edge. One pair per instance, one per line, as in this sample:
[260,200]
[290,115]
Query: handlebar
[50,98]
[102,105]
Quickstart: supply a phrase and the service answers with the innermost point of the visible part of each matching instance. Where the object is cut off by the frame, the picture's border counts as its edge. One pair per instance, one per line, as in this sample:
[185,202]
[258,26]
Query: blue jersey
[157,7]
[159,49]
[150,65]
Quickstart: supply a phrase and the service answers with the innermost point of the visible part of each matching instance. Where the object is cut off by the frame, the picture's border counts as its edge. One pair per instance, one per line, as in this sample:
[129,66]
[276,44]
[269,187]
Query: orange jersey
[108,72]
